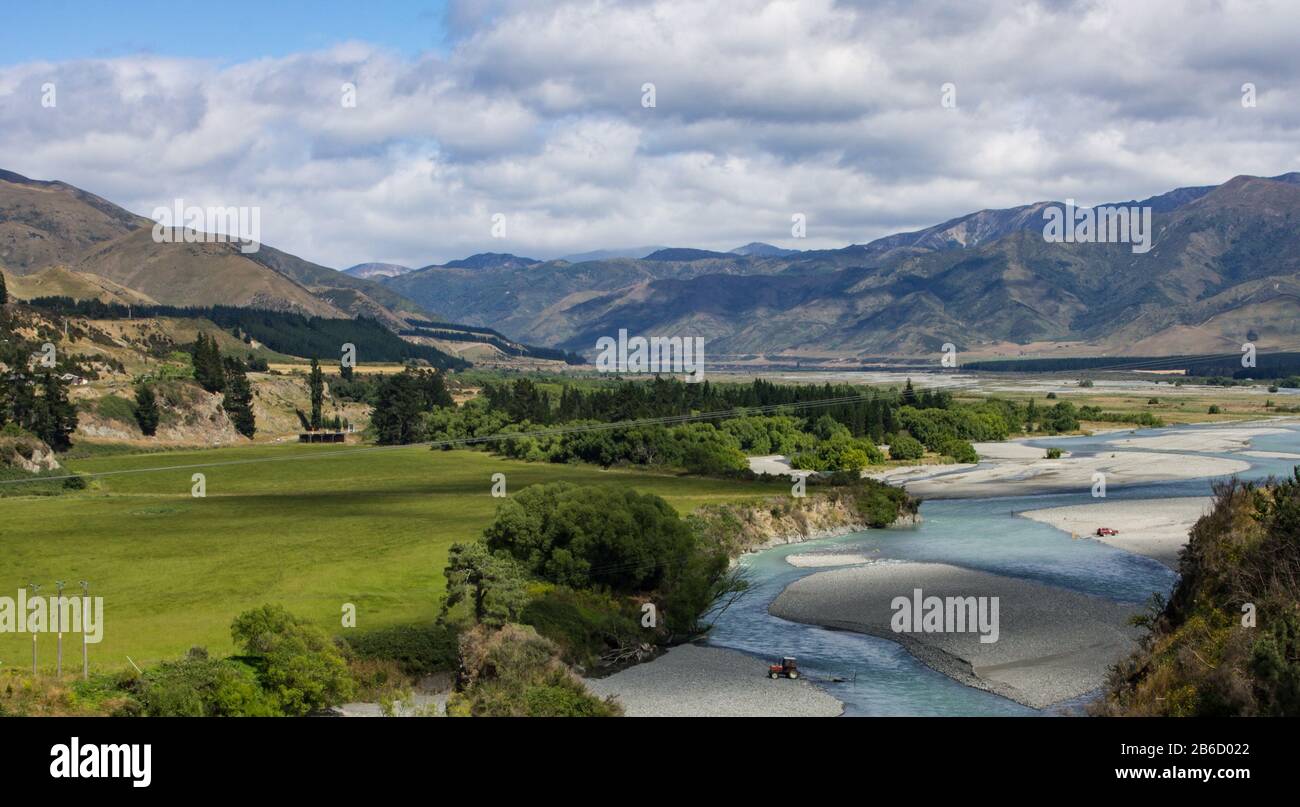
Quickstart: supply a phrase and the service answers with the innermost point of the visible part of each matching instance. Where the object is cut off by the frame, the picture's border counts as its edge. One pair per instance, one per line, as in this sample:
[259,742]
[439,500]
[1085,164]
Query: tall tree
[146,409]
[909,394]
[208,367]
[398,407]
[4,292]
[55,418]
[435,390]
[238,402]
[316,382]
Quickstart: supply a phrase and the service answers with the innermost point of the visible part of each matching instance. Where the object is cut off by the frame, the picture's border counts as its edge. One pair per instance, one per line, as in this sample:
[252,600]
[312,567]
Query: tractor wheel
[774,675]
[793,674]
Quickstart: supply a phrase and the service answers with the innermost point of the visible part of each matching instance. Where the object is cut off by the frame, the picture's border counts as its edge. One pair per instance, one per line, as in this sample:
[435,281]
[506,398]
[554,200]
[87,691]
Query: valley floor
[310,527]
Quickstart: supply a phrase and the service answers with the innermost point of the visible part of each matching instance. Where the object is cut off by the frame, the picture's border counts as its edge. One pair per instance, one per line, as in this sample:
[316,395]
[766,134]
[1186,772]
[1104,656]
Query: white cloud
[763,109]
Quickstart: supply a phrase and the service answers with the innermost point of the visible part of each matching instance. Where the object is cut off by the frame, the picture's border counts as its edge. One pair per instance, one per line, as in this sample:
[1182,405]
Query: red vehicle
[1103,531]
[786,669]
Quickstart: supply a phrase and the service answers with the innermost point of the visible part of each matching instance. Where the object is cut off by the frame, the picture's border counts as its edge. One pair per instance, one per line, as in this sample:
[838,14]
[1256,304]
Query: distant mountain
[1224,262]
[491,260]
[758,249]
[684,254]
[373,270]
[53,224]
[609,254]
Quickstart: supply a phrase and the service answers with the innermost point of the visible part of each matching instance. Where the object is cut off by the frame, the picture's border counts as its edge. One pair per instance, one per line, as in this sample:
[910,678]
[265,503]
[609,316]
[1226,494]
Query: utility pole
[85,657]
[58,612]
[35,588]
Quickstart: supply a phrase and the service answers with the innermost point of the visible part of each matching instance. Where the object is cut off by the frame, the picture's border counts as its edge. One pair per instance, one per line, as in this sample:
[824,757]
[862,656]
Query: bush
[298,665]
[880,504]
[959,450]
[418,649]
[514,672]
[1054,453]
[197,686]
[584,624]
[1214,409]
[906,447]
[585,536]
[839,453]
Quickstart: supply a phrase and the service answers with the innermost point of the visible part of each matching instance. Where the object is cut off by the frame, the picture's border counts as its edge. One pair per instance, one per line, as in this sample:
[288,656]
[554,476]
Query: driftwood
[627,653]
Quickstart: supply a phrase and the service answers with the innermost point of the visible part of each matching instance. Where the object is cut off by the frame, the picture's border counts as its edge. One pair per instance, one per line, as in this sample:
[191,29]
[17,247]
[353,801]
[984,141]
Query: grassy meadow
[370,528]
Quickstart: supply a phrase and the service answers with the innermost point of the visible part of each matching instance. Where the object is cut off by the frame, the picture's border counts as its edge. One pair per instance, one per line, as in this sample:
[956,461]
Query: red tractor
[786,669]
[1104,531]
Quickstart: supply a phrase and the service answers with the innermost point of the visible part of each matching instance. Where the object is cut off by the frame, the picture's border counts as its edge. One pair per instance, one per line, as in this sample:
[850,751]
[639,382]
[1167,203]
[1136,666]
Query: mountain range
[1224,266]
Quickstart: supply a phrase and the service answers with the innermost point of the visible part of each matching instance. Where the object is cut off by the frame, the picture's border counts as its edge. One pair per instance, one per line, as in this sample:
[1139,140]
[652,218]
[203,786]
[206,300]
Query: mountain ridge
[48,223]
[1219,262]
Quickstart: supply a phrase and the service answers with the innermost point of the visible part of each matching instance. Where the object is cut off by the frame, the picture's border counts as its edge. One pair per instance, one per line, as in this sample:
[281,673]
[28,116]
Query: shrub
[959,450]
[298,665]
[197,686]
[880,504]
[583,624]
[906,447]
[584,536]
[513,672]
[839,453]
[418,649]
[1054,453]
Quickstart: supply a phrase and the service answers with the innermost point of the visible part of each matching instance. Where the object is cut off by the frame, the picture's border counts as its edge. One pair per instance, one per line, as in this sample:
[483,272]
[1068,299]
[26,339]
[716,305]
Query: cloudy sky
[537,112]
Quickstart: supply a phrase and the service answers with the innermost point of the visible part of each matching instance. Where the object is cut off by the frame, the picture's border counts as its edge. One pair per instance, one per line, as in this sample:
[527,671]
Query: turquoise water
[983,534]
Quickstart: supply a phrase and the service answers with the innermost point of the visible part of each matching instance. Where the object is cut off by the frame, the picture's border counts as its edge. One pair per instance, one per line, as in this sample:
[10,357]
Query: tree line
[282,331]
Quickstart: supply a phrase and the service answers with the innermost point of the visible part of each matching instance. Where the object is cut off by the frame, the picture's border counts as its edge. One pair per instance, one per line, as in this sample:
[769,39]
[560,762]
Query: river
[984,534]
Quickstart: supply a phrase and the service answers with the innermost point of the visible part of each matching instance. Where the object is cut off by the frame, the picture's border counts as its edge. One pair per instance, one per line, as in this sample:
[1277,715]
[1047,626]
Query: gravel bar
[1052,644]
[694,681]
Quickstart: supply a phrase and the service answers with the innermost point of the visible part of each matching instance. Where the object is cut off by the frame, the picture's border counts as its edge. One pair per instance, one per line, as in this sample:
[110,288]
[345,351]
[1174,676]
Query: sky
[527,127]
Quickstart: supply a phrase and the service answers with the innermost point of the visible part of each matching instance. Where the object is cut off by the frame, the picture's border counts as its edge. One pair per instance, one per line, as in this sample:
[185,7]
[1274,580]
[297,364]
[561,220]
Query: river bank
[1155,528]
[1050,645]
[694,681]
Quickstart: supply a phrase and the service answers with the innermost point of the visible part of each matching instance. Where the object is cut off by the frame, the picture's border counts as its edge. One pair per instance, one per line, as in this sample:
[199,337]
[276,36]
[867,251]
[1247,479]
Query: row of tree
[33,397]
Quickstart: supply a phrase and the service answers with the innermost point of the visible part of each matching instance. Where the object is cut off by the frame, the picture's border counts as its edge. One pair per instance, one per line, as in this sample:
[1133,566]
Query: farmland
[304,526]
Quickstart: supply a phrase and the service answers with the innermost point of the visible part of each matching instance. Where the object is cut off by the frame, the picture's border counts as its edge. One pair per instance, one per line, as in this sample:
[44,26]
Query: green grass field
[314,533]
